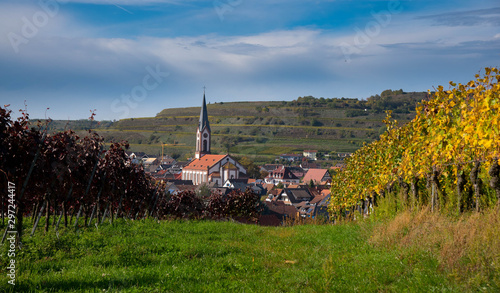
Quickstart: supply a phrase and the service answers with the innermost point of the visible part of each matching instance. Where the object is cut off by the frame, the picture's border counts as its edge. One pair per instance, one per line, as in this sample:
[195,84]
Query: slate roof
[296,195]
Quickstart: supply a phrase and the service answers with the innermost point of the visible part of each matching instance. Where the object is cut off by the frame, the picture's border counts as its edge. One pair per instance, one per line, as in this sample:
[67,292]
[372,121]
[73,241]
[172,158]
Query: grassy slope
[185,256]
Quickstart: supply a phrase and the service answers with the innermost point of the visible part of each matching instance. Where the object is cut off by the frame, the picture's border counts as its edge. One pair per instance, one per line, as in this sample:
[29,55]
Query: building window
[205,146]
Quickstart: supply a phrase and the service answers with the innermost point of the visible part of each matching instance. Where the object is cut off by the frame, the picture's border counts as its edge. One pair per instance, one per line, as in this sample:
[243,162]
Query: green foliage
[253,171]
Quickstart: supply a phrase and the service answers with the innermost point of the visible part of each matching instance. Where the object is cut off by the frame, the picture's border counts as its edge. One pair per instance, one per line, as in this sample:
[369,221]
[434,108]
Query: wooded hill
[262,130]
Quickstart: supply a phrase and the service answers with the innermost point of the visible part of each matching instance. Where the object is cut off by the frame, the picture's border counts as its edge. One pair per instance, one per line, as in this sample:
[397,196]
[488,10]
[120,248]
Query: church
[207,168]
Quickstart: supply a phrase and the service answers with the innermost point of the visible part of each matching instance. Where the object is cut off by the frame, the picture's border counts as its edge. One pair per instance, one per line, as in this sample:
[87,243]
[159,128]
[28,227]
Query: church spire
[203,115]
[203,133]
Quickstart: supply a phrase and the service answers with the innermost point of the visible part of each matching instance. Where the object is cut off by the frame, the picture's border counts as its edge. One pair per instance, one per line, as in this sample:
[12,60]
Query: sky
[133,58]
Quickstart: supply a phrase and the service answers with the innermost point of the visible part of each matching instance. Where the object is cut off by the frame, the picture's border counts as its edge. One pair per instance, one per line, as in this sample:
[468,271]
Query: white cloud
[68,63]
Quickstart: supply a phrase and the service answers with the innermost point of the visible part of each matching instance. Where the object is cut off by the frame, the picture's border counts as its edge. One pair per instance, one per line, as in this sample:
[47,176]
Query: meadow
[410,252]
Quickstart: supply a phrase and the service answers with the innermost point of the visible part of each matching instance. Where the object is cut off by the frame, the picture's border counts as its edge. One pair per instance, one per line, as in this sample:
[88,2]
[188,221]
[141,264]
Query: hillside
[263,130]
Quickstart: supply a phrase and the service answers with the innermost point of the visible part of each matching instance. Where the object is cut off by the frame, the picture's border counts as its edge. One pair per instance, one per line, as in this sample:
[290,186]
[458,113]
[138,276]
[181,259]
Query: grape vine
[455,132]
[64,179]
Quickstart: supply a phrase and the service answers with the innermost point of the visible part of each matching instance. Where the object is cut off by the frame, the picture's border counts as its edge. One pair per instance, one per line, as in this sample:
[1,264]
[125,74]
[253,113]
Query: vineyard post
[33,211]
[38,218]
[153,202]
[78,214]
[87,191]
[20,206]
[120,204]
[63,208]
[414,192]
[47,214]
[460,187]
[105,213]
[494,173]
[47,198]
[3,218]
[96,206]
[476,182]
[433,194]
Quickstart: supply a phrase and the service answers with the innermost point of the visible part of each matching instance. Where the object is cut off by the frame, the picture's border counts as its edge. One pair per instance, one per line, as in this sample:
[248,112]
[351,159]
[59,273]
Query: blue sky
[133,58]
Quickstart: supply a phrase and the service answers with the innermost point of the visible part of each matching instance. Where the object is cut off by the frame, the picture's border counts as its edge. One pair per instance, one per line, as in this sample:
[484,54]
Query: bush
[187,205]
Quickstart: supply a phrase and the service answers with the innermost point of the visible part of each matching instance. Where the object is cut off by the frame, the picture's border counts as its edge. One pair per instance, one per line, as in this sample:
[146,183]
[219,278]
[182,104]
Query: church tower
[203,133]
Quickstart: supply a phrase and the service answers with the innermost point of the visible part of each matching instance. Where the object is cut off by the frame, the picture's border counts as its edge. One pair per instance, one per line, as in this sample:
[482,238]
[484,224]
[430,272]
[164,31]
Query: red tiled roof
[316,175]
[318,198]
[269,186]
[204,162]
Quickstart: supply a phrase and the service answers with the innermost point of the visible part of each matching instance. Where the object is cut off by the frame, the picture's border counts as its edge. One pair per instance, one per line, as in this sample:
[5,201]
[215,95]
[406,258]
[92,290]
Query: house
[134,158]
[206,167]
[270,167]
[240,184]
[258,189]
[338,167]
[282,175]
[163,175]
[321,207]
[163,167]
[176,186]
[293,196]
[167,160]
[306,165]
[280,210]
[310,154]
[317,176]
[297,171]
[291,157]
[305,209]
[344,155]
[149,161]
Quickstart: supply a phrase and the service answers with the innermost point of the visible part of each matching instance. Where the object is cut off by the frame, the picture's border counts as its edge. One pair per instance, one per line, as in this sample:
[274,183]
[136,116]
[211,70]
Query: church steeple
[203,115]
[203,132]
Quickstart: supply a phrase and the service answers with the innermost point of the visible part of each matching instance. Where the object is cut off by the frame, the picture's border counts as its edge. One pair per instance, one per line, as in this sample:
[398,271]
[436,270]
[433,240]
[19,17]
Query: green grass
[206,256]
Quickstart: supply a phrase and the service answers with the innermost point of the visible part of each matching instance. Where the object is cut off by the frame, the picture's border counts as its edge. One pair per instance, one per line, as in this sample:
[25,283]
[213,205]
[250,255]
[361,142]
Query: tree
[228,142]
[253,171]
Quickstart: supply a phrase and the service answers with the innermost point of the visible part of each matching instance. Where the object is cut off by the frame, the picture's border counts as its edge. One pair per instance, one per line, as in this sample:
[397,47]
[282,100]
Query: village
[293,187]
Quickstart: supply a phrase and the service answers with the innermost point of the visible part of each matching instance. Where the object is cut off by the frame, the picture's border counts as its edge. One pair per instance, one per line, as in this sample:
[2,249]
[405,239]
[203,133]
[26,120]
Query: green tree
[253,171]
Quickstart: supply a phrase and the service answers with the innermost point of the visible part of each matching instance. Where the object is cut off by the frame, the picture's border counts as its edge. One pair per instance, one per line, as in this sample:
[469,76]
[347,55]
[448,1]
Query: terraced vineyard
[263,130]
